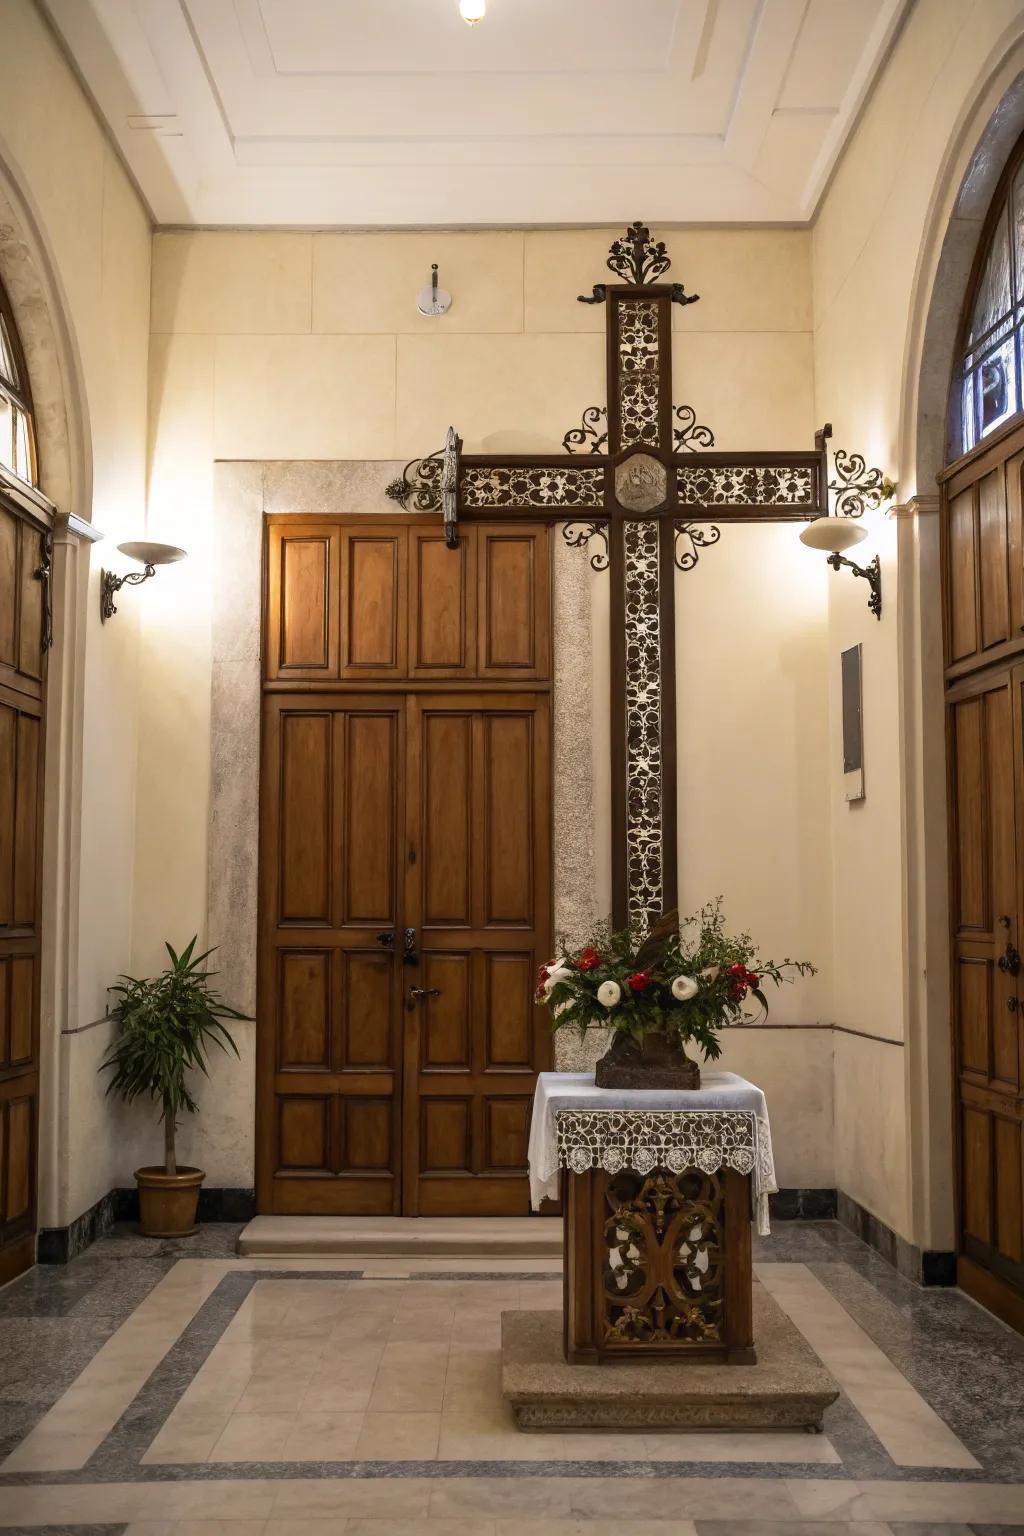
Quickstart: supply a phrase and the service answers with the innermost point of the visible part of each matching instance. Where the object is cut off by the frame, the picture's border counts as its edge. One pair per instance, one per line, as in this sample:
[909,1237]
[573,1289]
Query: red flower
[589,960]
[542,975]
[739,969]
[753,979]
[639,981]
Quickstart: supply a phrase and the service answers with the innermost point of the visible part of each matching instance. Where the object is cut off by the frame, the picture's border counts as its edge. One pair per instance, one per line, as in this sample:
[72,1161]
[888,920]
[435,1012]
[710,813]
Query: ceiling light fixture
[472,11]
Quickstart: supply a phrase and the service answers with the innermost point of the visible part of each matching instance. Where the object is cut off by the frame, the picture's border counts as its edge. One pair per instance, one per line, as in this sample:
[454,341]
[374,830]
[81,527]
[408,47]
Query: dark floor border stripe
[925,1267]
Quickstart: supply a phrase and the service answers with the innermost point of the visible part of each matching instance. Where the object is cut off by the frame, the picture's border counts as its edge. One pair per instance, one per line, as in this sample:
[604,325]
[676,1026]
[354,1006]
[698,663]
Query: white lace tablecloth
[723,1123]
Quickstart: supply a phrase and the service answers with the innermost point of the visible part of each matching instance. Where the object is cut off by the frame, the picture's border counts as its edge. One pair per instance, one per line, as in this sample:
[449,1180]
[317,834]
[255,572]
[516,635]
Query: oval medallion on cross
[641,483]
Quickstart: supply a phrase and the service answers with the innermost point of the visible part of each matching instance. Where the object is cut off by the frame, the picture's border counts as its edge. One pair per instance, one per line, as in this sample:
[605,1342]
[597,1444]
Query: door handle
[387,939]
[1013,1003]
[1009,962]
[409,955]
[417,994]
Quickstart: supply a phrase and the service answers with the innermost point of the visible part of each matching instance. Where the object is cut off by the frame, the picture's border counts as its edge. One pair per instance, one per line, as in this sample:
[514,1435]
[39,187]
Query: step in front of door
[531,1237]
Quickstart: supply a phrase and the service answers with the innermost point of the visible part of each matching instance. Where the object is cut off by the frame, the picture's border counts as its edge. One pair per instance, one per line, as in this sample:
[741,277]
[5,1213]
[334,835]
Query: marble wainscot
[661,1324]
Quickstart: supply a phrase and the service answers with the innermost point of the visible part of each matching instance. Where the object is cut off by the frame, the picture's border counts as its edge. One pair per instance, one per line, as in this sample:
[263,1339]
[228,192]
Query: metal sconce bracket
[109,584]
[872,574]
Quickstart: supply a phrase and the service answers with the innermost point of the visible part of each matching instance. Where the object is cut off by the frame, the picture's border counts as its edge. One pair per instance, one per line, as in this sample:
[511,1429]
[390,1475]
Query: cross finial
[638,260]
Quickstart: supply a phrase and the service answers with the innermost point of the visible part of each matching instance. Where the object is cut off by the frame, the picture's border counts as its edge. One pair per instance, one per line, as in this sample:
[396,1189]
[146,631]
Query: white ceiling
[394,112]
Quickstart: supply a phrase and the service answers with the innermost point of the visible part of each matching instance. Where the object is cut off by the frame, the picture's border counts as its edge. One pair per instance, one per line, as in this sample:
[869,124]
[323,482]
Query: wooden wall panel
[9,568]
[304,1010]
[304,1135]
[8,806]
[19,1160]
[976,1134]
[21,996]
[1008,1157]
[972,890]
[993,561]
[374,608]
[509,1007]
[369,845]
[446,1141]
[442,605]
[507,830]
[506,1133]
[27,840]
[446,1028]
[368,1135]
[304,860]
[514,602]
[446,776]
[303,577]
[975,1007]
[368,990]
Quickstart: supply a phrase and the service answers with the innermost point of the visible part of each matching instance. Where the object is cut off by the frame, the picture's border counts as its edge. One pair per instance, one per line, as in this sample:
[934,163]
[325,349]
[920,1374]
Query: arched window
[17,436]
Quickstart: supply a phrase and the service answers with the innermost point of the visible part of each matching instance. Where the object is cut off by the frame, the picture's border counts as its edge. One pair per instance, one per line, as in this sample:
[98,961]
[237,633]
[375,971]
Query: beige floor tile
[702,1498]
[275,1393]
[473,1382]
[323,1437]
[508,1498]
[924,1502]
[368,1526]
[398,1437]
[410,1379]
[323,1498]
[323,1395]
[55,1452]
[795,1447]
[253,1437]
[609,1527]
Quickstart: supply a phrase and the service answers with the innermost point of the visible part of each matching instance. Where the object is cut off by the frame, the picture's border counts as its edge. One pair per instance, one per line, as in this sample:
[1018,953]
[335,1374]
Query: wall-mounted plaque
[853,725]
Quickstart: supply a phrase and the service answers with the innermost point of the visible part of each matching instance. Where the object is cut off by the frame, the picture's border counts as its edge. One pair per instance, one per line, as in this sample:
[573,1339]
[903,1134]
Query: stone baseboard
[803,1205]
[59,1245]
[924,1266]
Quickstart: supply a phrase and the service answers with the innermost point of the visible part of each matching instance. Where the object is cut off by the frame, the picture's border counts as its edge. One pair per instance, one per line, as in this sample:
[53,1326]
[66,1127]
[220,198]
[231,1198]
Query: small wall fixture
[837,534]
[148,555]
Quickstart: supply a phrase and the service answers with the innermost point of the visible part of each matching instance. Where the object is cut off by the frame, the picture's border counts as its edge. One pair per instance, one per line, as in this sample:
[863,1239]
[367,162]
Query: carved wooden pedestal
[657,1266]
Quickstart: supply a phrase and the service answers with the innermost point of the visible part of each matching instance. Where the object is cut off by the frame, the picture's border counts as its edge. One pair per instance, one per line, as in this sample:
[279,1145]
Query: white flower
[555,975]
[609,993]
[683,988]
[712,972]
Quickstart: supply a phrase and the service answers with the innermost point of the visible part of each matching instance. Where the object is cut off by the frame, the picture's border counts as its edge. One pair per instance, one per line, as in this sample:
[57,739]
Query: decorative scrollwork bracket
[690,539]
[857,489]
[690,436]
[639,261]
[586,438]
[109,584]
[579,535]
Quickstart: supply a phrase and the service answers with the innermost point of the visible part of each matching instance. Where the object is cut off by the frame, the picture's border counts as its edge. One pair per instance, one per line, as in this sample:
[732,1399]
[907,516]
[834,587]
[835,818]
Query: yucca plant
[168,1024]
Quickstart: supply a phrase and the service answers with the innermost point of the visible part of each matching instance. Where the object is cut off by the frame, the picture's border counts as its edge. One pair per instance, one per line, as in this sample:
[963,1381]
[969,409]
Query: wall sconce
[149,555]
[837,534]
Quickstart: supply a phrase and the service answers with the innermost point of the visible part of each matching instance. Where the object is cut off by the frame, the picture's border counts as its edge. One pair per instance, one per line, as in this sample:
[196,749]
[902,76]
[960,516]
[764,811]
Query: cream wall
[875,248]
[91,234]
[308,346]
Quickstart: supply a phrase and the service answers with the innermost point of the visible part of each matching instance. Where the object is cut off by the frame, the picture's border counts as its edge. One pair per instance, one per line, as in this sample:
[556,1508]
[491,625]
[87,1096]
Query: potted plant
[676,987]
[167,1026]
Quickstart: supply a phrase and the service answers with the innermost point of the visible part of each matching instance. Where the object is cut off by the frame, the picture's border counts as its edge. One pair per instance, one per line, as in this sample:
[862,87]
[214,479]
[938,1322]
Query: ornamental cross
[644,480]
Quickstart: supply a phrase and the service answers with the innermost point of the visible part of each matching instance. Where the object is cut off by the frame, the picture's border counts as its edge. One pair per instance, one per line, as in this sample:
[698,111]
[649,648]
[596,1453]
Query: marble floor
[177,1389]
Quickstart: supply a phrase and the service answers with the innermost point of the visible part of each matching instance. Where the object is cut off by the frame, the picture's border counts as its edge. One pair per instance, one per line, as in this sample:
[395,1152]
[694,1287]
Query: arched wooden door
[405,865]
[983,578]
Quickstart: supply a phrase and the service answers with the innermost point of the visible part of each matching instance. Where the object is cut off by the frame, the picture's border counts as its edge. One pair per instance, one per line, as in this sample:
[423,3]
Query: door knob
[1013,1003]
[419,993]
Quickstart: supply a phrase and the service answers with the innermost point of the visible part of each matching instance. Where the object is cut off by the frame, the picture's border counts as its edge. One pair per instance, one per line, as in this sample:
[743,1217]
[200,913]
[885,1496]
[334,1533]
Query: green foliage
[725,969]
[168,1024]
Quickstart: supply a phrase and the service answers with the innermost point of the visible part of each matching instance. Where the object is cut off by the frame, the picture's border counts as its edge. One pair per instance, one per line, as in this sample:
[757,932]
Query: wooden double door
[22,720]
[405,866]
[984,588]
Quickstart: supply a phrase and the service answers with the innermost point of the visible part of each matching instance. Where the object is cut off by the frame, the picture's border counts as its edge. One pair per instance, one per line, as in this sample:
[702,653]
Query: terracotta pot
[168,1201]
[653,1062]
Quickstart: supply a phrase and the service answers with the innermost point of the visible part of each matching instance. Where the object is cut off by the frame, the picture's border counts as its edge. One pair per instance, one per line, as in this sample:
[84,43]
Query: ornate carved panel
[746,485]
[643,782]
[663,1277]
[532,485]
[638,372]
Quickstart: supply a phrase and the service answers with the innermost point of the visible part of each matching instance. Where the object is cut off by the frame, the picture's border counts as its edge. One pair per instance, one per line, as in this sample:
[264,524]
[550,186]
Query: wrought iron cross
[645,481]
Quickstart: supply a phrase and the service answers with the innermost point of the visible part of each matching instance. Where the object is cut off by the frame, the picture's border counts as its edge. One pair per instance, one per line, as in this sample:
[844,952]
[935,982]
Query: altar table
[659,1188]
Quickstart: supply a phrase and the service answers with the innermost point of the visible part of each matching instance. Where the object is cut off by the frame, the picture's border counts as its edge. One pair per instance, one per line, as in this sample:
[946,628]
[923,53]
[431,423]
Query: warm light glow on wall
[472,11]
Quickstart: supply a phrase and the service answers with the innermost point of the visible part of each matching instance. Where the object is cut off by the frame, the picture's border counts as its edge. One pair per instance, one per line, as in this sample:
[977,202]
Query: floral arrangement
[683,981]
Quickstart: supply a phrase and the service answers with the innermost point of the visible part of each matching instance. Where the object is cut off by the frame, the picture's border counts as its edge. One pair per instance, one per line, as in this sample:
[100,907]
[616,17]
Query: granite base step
[788,1388]
[534,1237]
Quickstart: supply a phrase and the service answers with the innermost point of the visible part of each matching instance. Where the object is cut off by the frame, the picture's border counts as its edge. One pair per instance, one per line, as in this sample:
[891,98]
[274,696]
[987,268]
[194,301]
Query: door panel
[303,593]
[329,993]
[514,597]
[22,680]
[986,767]
[479,900]
[374,611]
[442,605]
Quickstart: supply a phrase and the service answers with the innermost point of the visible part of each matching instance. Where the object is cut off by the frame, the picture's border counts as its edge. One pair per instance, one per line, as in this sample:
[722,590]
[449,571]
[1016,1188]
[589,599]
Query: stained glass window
[17,439]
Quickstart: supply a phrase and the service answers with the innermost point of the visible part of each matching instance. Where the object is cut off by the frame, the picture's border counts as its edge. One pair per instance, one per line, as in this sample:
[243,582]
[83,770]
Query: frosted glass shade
[830,533]
[152,554]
